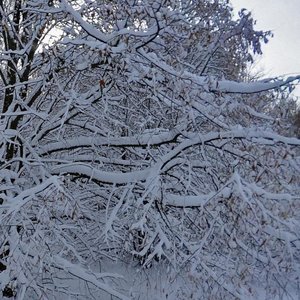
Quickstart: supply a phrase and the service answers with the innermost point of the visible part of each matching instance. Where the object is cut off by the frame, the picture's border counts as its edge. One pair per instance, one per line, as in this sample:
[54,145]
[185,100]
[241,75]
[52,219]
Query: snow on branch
[91,30]
[194,201]
[170,137]
[193,139]
[219,86]
[97,175]
[133,136]
[13,205]
[87,276]
[144,140]
[225,86]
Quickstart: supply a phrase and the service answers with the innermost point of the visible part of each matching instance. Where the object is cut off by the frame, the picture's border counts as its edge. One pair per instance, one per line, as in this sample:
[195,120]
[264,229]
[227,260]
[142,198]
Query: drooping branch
[262,138]
[144,140]
[219,86]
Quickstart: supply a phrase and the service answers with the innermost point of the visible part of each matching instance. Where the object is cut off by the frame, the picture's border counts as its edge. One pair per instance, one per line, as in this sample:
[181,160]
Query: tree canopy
[133,136]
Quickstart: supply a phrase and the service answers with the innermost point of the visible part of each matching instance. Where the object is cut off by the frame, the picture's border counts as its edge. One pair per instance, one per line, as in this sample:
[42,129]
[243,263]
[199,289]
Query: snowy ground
[139,283]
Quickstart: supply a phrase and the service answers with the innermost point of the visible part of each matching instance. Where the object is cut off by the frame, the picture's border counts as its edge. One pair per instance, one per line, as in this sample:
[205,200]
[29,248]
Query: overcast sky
[282,53]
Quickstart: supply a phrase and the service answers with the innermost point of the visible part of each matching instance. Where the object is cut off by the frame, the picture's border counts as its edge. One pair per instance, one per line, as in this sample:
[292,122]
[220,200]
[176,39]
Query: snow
[194,201]
[140,140]
[88,276]
[136,162]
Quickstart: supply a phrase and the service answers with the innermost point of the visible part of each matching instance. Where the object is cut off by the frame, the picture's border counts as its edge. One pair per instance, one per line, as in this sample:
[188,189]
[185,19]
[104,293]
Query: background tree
[133,138]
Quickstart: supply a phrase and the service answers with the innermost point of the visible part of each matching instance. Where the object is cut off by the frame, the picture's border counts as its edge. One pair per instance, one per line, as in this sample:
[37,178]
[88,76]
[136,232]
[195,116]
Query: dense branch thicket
[133,137]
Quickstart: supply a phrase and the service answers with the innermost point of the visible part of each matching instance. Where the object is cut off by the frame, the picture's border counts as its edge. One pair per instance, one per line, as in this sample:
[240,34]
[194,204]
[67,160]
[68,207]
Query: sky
[281,56]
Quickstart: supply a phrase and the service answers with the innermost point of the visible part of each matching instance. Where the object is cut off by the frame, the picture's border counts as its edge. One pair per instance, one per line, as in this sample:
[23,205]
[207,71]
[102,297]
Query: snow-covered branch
[131,139]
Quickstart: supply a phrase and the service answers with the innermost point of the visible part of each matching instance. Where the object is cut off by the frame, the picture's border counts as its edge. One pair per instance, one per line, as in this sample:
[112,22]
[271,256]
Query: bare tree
[132,136]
